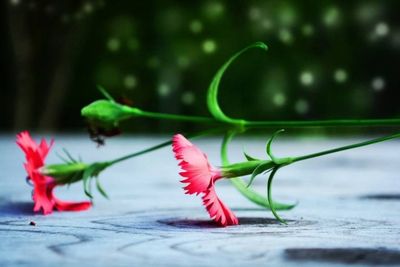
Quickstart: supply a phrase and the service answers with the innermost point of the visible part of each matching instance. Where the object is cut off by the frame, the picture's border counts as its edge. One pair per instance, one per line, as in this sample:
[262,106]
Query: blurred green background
[327,59]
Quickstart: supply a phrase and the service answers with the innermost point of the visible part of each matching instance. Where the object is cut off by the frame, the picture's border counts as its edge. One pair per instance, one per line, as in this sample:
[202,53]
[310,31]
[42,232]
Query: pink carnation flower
[43,186]
[200,177]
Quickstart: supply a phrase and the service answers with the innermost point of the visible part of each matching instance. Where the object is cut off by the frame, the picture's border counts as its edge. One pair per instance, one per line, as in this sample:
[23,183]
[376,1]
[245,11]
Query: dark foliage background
[327,59]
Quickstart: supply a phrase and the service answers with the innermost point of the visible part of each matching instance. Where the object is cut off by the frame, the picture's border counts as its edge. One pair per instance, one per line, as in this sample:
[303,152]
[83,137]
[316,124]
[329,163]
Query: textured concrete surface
[348,211]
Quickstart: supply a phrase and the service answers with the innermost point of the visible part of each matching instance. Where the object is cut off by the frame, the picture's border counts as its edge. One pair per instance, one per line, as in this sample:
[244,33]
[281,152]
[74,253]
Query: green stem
[175,117]
[266,124]
[150,149]
[164,144]
[330,151]
[323,123]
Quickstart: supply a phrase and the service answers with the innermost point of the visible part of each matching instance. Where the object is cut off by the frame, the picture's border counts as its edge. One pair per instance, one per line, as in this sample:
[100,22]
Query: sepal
[262,168]
[74,171]
[249,158]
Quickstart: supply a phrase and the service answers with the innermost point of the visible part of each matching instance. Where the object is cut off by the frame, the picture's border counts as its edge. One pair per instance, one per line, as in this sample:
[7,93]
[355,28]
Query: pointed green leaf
[100,188]
[62,158]
[69,155]
[86,182]
[212,94]
[259,169]
[249,158]
[268,147]
[269,194]
[105,93]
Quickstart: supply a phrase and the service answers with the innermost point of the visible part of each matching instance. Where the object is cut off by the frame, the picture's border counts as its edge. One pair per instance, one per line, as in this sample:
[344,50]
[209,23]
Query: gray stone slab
[348,211]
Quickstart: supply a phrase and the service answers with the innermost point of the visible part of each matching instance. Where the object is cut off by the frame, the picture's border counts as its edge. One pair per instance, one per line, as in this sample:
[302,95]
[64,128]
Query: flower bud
[108,112]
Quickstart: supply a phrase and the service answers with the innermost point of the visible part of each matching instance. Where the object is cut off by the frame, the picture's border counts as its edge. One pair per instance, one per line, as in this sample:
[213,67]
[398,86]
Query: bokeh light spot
[113,44]
[14,2]
[378,84]
[214,9]
[331,16]
[381,29]
[196,26]
[306,78]
[130,81]
[285,36]
[88,7]
[254,13]
[279,99]
[163,89]
[340,75]
[301,106]
[368,11]
[209,46]
[267,24]
[287,15]
[188,98]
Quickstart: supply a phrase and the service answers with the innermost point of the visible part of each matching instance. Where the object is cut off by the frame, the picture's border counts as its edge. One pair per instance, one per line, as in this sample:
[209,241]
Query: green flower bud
[108,112]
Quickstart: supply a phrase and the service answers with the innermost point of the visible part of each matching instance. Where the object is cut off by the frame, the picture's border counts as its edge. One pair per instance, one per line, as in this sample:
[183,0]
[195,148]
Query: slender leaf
[268,147]
[86,182]
[249,158]
[69,155]
[105,93]
[212,94]
[269,194]
[259,169]
[100,188]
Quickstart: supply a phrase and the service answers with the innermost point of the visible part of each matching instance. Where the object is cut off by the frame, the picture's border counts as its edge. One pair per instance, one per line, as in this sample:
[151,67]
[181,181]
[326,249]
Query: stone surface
[348,211]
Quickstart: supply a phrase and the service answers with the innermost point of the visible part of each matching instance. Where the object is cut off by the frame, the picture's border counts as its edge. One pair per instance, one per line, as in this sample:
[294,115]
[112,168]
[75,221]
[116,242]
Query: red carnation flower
[200,177]
[43,186]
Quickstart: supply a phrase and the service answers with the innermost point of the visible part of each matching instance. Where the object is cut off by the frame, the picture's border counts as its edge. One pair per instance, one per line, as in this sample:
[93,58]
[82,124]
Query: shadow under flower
[16,208]
[202,224]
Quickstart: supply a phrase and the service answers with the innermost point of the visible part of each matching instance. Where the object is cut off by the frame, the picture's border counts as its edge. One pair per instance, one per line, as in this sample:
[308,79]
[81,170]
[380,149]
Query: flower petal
[71,206]
[197,172]
[67,205]
[41,199]
[217,209]
[25,142]
[44,148]
[43,196]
